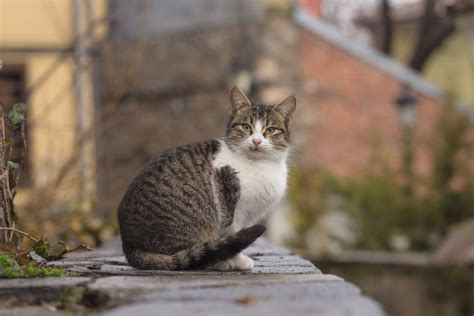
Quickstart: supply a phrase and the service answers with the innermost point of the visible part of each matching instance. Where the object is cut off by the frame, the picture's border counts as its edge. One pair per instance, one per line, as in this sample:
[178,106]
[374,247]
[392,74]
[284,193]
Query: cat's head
[259,131]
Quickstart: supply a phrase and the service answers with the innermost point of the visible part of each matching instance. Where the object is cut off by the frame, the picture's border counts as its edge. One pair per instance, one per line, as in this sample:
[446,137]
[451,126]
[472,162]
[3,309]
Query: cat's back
[173,169]
[173,190]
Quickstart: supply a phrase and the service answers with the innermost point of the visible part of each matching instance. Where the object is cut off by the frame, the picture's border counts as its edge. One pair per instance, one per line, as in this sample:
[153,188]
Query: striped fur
[196,205]
[198,256]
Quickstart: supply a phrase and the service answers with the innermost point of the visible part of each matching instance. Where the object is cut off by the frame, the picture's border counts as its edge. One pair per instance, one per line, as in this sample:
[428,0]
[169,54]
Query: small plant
[20,258]
[9,268]
[10,170]
[29,261]
[308,196]
[385,215]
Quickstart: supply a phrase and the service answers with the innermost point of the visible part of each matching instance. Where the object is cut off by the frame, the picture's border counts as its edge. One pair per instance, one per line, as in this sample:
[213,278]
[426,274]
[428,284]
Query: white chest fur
[262,184]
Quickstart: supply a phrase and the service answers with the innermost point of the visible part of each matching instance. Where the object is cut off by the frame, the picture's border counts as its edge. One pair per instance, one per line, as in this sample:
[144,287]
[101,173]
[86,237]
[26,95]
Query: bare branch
[387,27]
[433,31]
[19,232]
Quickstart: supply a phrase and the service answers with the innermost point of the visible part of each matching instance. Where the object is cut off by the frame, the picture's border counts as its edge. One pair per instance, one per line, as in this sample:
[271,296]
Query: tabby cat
[197,206]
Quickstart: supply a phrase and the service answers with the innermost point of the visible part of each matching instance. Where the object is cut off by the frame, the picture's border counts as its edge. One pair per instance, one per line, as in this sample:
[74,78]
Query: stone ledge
[280,284]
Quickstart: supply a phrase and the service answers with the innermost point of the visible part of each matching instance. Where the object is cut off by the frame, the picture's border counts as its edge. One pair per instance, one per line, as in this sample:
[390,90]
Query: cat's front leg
[239,262]
[228,195]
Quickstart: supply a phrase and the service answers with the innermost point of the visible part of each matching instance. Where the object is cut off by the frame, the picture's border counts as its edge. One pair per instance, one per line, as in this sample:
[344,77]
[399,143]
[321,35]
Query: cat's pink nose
[256,141]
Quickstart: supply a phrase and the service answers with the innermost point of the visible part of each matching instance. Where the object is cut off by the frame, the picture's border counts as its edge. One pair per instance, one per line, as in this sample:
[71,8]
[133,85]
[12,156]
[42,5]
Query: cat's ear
[238,99]
[287,107]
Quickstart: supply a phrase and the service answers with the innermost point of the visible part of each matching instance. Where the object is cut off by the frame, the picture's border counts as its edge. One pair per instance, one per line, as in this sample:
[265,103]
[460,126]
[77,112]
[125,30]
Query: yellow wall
[43,22]
[453,69]
[52,112]
[51,116]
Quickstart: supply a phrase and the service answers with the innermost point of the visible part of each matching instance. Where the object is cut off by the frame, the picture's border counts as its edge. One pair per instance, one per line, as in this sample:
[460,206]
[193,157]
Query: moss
[10,269]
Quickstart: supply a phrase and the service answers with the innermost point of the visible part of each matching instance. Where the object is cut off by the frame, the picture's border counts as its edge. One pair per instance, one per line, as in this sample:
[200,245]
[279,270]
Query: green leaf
[15,117]
[20,108]
[42,247]
[17,114]
[13,165]
[8,267]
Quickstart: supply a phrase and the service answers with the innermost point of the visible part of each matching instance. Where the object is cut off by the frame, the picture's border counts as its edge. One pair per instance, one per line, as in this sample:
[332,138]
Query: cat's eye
[270,130]
[247,127]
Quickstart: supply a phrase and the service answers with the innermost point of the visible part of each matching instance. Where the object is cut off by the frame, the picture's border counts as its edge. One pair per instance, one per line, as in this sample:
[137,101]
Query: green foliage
[310,195]
[307,195]
[17,114]
[9,268]
[41,247]
[378,202]
[13,165]
[34,249]
[29,260]
[451,183]
[16,117]
[20,258]
[381,209]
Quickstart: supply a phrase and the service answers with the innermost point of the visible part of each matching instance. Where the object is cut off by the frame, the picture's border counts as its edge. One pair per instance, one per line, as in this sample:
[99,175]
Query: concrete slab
[43,289]
[313,298]
[280,283]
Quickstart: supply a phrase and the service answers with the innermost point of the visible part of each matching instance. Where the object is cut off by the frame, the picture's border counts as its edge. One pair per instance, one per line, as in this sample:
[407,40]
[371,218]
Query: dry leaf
[245,300]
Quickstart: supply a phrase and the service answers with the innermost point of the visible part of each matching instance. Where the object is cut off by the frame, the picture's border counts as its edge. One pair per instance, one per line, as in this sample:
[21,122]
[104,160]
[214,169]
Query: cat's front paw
[238,263]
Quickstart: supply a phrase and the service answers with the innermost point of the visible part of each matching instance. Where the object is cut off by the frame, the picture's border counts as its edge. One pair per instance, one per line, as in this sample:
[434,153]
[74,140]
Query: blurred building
[351,93]
[44,58]
[350,118]
[168,84]
[167,71]
[451,66]
[111,83]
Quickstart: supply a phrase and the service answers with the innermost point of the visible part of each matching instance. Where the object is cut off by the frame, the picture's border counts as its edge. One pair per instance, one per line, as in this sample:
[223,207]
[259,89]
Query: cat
[198,206]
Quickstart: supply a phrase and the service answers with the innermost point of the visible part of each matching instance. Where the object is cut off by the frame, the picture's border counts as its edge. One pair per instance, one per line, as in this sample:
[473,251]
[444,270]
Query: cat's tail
[198,256]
